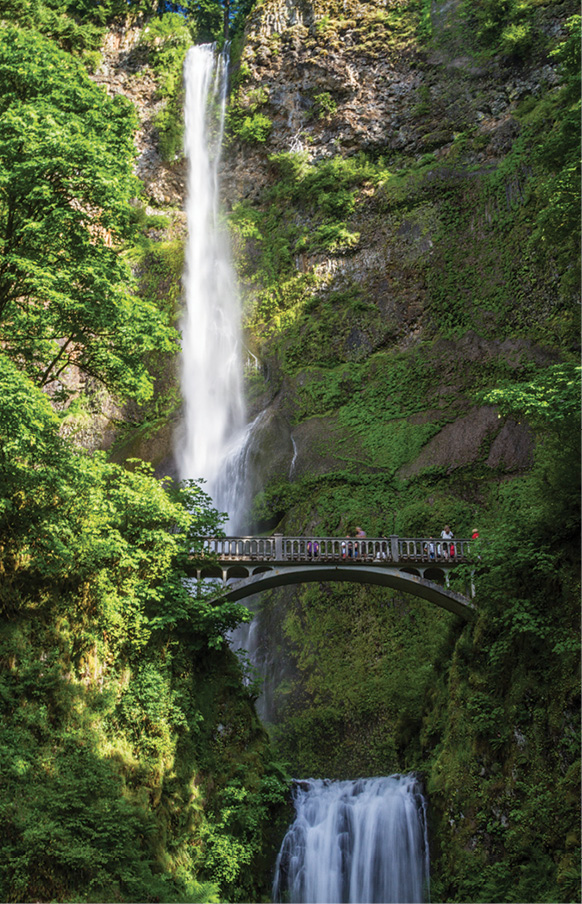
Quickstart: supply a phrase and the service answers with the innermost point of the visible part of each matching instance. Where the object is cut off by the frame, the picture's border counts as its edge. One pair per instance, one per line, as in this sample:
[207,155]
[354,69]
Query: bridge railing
[379,550]
[433,550]
[236,549]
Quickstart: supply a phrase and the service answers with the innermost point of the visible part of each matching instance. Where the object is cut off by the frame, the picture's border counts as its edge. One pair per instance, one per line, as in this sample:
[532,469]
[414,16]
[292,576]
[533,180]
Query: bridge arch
[211,571]
[436,575]
[268,579]
[237,571]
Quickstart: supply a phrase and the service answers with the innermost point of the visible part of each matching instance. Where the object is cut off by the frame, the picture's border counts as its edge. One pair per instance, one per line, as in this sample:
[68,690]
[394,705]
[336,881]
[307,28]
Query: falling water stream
[351,841]
[215,435]
[355,841]
[215,442]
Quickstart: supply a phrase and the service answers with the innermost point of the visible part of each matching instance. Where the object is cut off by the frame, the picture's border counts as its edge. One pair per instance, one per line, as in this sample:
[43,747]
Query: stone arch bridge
[420,566]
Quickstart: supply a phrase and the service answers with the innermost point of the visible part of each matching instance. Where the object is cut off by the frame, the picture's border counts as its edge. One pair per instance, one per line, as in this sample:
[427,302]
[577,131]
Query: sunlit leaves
[79,531]
[66,182]
[550,399]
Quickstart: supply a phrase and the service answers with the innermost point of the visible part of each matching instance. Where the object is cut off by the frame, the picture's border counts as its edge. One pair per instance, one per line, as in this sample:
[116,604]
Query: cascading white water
[355,841]
[214,435]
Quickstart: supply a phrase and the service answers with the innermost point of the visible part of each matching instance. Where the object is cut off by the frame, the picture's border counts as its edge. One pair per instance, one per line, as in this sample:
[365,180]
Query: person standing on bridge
[447,536]
[359,533]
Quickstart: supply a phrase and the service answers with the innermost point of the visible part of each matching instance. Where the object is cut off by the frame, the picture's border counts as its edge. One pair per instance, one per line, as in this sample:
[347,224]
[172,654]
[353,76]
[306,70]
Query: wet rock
[320,447]
[271,450]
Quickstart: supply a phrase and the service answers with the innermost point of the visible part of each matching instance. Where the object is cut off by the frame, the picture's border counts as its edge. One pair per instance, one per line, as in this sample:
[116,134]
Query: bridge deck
[418,566]
[345,550]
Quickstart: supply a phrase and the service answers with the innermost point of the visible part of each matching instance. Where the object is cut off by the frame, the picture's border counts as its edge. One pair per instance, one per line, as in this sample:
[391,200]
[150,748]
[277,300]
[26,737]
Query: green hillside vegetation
[376,682]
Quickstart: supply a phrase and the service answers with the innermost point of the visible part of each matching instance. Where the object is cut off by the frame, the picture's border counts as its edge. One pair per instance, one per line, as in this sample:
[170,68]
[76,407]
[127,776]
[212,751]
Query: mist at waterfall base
[355,841]
[213,443]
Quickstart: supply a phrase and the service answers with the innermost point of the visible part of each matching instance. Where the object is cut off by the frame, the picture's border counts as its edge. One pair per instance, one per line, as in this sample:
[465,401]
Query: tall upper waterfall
[361,841]
[213,440]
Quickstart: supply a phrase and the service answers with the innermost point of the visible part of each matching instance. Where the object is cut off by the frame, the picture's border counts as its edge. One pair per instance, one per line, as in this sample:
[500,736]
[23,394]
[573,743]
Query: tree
[102,641]
[66,182]
[214,20]
[550,402]
[79,533]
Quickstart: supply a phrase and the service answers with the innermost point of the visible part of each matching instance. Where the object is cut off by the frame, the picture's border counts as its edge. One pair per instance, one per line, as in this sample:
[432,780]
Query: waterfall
[355,841]
[214,435]
[294,459]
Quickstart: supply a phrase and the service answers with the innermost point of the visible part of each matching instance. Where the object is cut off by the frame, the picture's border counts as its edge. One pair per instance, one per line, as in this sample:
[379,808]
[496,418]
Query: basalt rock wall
[340,263]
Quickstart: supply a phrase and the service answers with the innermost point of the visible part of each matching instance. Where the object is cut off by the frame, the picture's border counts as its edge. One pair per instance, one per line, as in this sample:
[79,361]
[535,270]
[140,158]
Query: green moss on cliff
[363,660]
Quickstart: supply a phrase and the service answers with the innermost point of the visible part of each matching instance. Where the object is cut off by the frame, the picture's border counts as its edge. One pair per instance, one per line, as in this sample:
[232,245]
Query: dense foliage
[507,774]
[66,183]
[133,764]
[106,663]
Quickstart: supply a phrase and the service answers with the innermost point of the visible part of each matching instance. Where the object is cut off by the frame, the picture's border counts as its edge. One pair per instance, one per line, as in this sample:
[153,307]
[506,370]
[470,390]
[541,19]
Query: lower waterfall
[355,841]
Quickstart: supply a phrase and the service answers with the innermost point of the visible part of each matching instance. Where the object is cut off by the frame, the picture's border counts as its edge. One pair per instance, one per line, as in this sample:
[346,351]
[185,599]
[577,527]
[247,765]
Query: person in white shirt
[448,547]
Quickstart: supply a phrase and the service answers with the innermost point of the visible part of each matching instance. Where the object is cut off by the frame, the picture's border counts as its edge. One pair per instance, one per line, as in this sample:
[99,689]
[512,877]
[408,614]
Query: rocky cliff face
[389,91]
[125,69]
[333,83]
[383,186]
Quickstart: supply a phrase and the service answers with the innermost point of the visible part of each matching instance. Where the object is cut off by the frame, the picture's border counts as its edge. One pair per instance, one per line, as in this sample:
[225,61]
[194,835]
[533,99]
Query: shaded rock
[504,136]
[457,444]
[357,344]
[320,447]
[512,448]
[271,449]
[474,348]
[154,444]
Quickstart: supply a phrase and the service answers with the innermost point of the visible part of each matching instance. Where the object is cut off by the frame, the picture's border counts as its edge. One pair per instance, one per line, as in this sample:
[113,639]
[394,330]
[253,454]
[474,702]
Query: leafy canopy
[66,182]
[104,647]
[549,400]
